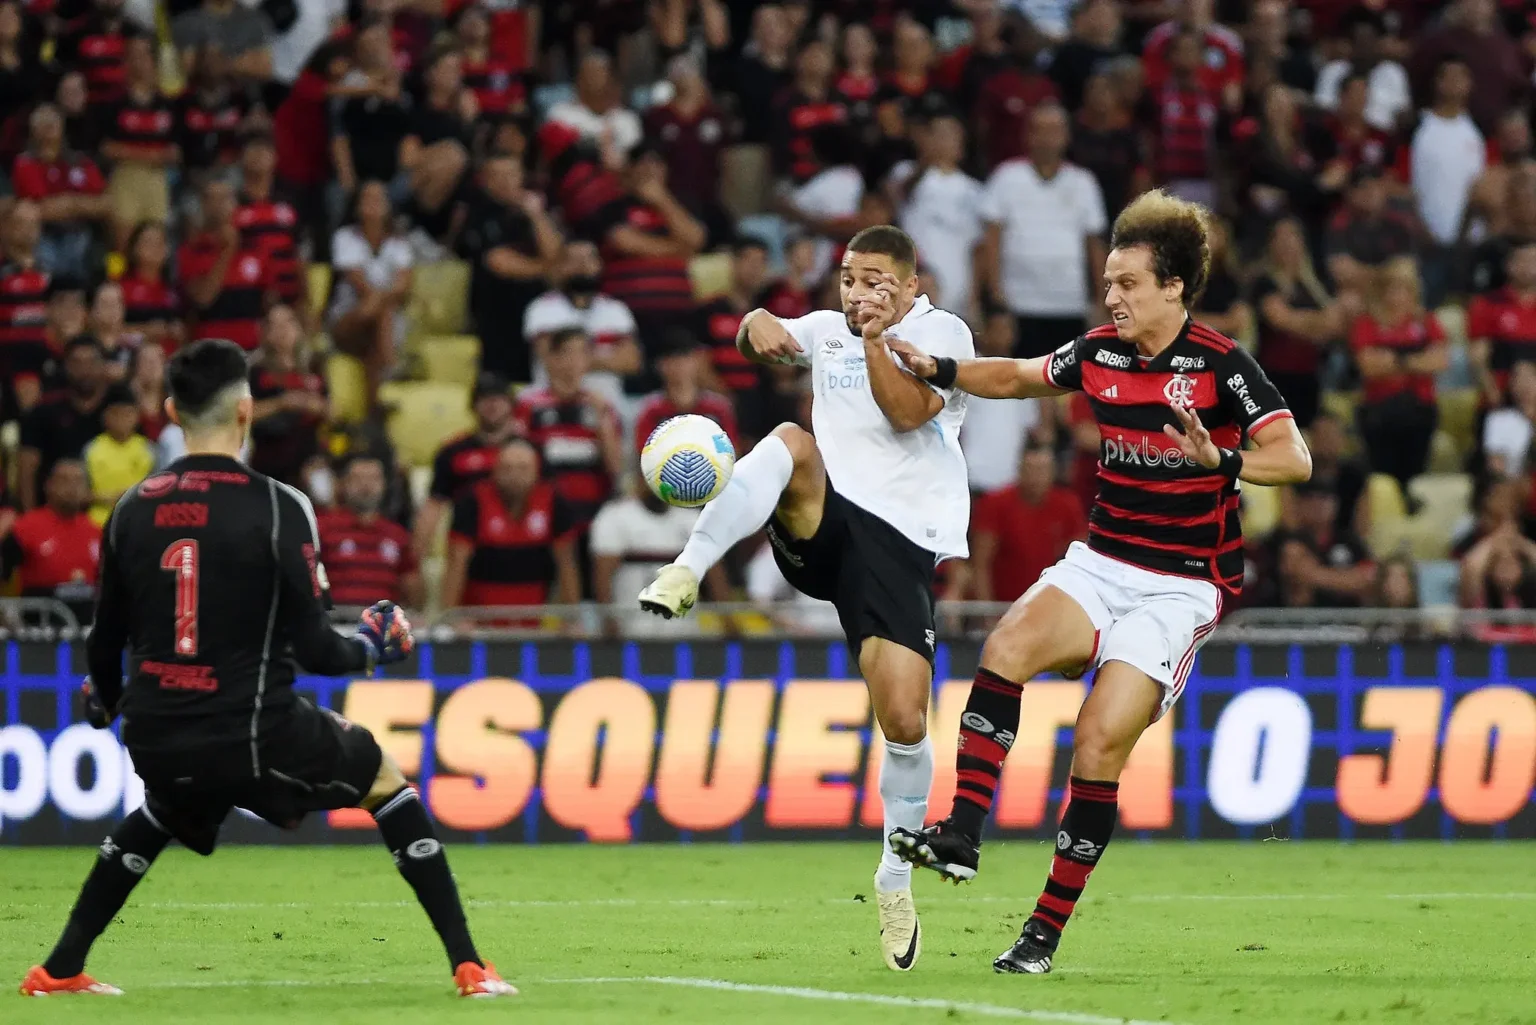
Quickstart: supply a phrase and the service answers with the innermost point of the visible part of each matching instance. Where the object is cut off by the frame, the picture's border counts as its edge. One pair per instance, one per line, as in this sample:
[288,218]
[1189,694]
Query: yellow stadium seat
[450,359]
[439,298]
[349,388]
[1389,513]
[1458,416]
[1341,404]
[1454,320]
[424,415]
[1444,499]
[1261,510]
[710,274]
[318,277]
[744,177]
[1444,457]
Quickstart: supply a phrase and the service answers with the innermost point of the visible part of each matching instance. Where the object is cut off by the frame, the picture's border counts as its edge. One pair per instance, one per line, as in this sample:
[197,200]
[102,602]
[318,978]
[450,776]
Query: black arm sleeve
[305,594]
[109,629]
[1064,367]
[1248,393]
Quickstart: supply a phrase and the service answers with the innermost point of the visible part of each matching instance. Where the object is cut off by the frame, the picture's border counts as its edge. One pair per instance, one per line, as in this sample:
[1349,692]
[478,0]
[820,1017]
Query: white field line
[687,902]
[718,985]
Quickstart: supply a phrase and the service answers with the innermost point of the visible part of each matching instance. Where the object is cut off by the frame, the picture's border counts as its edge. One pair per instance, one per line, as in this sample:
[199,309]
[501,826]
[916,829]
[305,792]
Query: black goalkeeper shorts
[309,759]
[880,581]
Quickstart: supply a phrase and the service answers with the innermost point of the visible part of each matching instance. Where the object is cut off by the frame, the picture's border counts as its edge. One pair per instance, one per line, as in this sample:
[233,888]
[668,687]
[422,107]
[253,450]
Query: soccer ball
[687,460]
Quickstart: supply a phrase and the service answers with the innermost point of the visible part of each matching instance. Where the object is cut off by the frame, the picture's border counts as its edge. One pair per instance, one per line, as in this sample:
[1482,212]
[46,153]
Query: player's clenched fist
[386,633]
[769,340]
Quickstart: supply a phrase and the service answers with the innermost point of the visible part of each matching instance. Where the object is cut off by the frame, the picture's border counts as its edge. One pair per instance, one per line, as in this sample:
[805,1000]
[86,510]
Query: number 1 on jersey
[181,558]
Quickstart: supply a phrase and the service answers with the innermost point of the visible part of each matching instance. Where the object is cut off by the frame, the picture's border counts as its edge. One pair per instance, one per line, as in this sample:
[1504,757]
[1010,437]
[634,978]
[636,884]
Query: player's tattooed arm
[989,377]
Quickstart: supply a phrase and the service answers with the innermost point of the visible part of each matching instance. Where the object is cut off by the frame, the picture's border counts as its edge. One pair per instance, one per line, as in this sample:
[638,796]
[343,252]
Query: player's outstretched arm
[763,338]
[988,377]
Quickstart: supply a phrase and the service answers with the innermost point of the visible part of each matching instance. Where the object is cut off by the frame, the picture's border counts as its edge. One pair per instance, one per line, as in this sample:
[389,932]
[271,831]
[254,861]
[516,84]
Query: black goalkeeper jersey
[1156,508]
[210,577]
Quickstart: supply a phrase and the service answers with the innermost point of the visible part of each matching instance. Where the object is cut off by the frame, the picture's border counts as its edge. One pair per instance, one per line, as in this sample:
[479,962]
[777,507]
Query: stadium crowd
[540,225]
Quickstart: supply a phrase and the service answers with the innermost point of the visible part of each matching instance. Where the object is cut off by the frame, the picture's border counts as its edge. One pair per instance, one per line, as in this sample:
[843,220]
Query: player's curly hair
[1178,234]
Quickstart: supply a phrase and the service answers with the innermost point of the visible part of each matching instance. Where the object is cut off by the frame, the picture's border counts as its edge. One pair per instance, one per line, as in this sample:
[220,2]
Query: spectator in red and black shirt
[855,87]
[210,115]
[68,186]
[226,285]
[1501,326]
[682,365]
[467,460]
[1366,232]
[151,303]
[23,303]
[291,400]
[513,537]
[37,367]
[1219,52]
[1399,348]
[720,319]
[647,241]
[689,132]
[576,432]
[367,556]
[500,90]
[1183,114]
[1006,98]
[1361,145]
[140,141]
[269,224]
[95,44]
[802,108]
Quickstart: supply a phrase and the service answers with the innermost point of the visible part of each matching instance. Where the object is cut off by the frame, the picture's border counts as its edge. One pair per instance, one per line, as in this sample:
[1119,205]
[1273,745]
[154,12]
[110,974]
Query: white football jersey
[915,481]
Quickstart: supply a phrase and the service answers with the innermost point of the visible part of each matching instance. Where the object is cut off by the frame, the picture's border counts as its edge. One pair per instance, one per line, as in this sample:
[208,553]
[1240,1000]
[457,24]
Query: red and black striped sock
[987,730]
[1092,807]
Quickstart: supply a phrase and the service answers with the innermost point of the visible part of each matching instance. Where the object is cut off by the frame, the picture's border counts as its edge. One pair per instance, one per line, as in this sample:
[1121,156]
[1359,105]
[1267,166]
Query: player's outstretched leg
[1044,631]
[1123,702]
[787,455]
[899,682]
[125,856]
[407,831]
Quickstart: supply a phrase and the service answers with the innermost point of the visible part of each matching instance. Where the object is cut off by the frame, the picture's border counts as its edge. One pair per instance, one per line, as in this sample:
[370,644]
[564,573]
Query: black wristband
[944,375]
[1231,464]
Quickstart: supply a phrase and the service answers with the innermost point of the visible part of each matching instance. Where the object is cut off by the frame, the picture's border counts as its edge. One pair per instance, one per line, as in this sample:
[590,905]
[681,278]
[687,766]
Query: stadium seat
[349,388]
[744,180]
[450,359]
[1389,513]
[318,277]
[424,415]
[1261,510]
[1342,405]
[1458,417]
[1444,457]
[1444,499]
[710,274]
[439,298]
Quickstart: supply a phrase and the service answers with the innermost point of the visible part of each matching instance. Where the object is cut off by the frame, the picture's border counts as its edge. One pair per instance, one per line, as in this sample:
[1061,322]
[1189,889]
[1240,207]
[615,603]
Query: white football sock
[742,508]
[905,778]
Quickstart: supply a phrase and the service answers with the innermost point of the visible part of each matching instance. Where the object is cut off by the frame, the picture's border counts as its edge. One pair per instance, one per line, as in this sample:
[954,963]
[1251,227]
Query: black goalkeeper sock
[125,856]
[407,831]
[987,730]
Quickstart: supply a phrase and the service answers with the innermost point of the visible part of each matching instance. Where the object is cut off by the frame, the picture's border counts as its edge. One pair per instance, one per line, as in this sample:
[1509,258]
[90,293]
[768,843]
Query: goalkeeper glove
[93,708]
[385,633]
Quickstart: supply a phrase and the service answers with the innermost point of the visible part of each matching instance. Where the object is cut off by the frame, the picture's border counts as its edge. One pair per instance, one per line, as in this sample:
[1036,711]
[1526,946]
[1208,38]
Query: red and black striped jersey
[646,284]
[1156,508]
[96,48]
[237,310]
[23,321]
[366,560]
[271,226]
[720,321]
[568,433]
[147,301]
[145,129]
[461,464]
[513,561]
[499,89]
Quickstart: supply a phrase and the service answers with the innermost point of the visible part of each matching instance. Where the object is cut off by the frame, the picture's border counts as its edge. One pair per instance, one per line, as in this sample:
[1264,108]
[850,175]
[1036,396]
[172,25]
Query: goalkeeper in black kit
[211,579]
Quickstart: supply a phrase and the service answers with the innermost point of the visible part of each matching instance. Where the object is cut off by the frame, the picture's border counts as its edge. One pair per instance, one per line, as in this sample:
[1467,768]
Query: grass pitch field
[1201,934]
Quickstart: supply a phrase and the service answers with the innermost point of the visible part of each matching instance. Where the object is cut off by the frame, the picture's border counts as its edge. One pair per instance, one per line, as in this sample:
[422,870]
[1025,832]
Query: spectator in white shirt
[598,112]
[1043,250]
[576,302]
[1447,157]
[993,434]
[372,268]
[1388,93]
[939,205]
[828,204]
[1507,432]
[633,537]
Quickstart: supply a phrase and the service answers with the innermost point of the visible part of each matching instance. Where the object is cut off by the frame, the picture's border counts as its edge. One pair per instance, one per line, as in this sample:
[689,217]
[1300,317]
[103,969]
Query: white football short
[1153,621]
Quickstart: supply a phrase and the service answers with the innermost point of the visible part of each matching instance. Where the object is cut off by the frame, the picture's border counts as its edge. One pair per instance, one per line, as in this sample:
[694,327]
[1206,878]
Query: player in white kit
[860,514]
